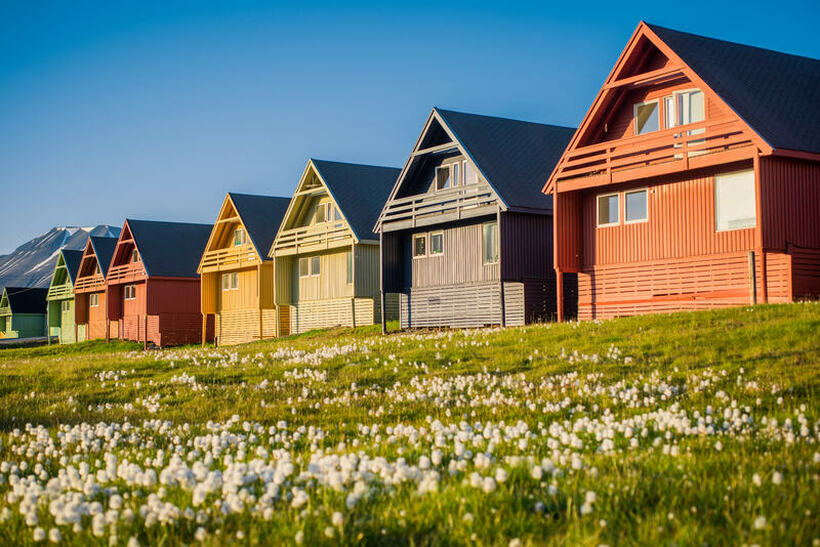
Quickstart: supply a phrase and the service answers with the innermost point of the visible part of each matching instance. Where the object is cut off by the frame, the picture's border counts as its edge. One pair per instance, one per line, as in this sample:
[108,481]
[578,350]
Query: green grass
[744,368]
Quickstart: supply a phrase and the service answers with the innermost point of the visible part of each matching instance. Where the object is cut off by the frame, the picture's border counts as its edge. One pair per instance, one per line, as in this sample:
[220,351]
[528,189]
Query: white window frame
[413,249]
[455,178]
[484,243]
[130,292]
[635,115]
[635,191]
[93,300]
[349,267]
[307,268]
[323,206]
[233,281]
[598,212]
[754,191]
[430,243]
[318,271]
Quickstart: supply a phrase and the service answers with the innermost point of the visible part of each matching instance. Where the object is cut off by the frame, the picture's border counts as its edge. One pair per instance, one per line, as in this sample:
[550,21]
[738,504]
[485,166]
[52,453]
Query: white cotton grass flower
[330,532]
[299,538]
[200,534]
[777,478]
[337,519]
[515,542]
[54,535]
[760,522]
[39,535]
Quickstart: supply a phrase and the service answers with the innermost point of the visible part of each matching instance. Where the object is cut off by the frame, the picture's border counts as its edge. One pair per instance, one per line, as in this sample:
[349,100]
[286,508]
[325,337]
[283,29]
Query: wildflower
[760,522]
[39,535]
[54,535]
[777,478]
[299,538]
[337,519]
[200,534]
[330,532]
[515,542]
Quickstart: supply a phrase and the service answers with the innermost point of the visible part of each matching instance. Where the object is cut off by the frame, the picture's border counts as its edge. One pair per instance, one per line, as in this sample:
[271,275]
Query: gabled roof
[775,93]
[514,156]
[72,260]
[169,249]
[26,299]
[261,216]
[104,250]
[359,190]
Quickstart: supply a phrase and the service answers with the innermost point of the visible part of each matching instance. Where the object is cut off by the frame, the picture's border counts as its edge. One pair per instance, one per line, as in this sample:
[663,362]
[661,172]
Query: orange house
[152,288]
[693,181]
[89,290]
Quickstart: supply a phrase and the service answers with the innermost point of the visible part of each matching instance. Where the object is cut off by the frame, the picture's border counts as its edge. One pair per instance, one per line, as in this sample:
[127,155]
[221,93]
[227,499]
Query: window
[309,266]
[94,300]
[735,205]
[238,237]
[491,243]
[230,281]
[442,177]
[419,245]
[321,213]
[135,256]
[646,117]
[65,305]
[337,214]
[456,171]
[683,107]
[608,210]
[436,243]
[349,267]
[635,206]
[130,292]
[470,174]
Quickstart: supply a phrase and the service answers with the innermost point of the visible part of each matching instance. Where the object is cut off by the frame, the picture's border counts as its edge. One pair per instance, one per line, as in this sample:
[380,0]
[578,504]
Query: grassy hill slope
[688,428]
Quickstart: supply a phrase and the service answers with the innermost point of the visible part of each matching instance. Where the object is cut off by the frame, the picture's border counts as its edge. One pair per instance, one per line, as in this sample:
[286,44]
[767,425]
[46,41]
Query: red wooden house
[693,181]
[89,289]
[152,287]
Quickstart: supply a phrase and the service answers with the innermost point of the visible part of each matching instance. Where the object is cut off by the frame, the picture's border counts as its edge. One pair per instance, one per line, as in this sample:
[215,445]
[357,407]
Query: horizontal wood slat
[462,305]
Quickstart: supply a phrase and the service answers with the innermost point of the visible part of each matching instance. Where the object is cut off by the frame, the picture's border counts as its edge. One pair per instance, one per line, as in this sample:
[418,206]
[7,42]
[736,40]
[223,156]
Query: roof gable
[513,156]
[261,216]
[168,249]
[103,248]
[26,299]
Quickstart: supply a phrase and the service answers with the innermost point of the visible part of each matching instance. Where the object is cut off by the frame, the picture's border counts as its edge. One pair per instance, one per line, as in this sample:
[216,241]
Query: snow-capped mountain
[32,264]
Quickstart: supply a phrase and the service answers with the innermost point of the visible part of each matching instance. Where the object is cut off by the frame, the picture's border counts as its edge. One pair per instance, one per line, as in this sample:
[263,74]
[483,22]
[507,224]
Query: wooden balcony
[230,258]
[662,152]
[90,283]
[327,235]
[126,273]
[437,207]
[59,292]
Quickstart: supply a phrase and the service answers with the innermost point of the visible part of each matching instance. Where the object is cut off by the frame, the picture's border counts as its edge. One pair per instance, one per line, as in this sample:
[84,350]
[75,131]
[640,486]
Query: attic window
[470,173]
[238,237]
[322,213]
[647,118]
[443,179]
[135,256]
[684,107]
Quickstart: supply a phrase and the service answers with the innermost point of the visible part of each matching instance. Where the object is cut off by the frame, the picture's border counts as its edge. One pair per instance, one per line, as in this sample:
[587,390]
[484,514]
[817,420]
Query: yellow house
[237,275]
[326,256]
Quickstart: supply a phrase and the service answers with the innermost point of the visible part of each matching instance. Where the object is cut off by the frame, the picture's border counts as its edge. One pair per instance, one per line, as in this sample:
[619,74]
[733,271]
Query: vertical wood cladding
[791,203]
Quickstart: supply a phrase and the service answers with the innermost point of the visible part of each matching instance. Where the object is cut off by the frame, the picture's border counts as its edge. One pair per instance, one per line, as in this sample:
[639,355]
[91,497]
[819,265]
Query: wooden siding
[461,262]
[526,246]
[689,283]
[805,272]
[681,223]
[92,318]
[245,296]
[462,305]
[569,224]
[239,326]
[330,284]
[328,313]
[791,203]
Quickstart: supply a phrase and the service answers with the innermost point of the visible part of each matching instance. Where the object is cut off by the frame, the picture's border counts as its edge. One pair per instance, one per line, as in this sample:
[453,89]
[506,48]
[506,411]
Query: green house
[23,312]
[61,298]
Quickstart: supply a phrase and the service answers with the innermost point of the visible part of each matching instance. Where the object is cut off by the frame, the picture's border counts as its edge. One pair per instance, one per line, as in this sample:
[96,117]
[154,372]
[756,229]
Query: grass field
[692,428]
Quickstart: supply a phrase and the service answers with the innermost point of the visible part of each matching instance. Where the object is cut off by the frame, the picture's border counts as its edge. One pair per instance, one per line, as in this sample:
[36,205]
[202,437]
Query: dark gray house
[466,234]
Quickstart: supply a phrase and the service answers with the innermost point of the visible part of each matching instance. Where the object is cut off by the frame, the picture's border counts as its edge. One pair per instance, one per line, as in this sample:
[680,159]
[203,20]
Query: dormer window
[135,256]
[647,117]
[238,237]
[443,178]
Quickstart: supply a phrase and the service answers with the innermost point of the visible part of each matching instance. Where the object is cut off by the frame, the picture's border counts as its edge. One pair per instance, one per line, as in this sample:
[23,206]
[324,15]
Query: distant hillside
[32,263]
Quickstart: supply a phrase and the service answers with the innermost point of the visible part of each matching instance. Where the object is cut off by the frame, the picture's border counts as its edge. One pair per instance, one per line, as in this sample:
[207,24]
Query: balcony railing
[126,272]
[310,238]
[230,258]
[443,205]
[59,292]
[89,283]
[625,159]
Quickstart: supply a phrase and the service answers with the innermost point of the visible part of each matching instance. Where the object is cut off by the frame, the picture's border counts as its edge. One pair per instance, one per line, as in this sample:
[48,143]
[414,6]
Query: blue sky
[155,110]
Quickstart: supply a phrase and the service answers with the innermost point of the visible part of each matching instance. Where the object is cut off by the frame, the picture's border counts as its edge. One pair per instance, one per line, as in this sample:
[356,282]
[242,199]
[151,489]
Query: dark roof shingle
[515,156]
[72,260]
[359,190]
[170,249]
[776,94]
[261,216]
[27,299]
[104,249]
